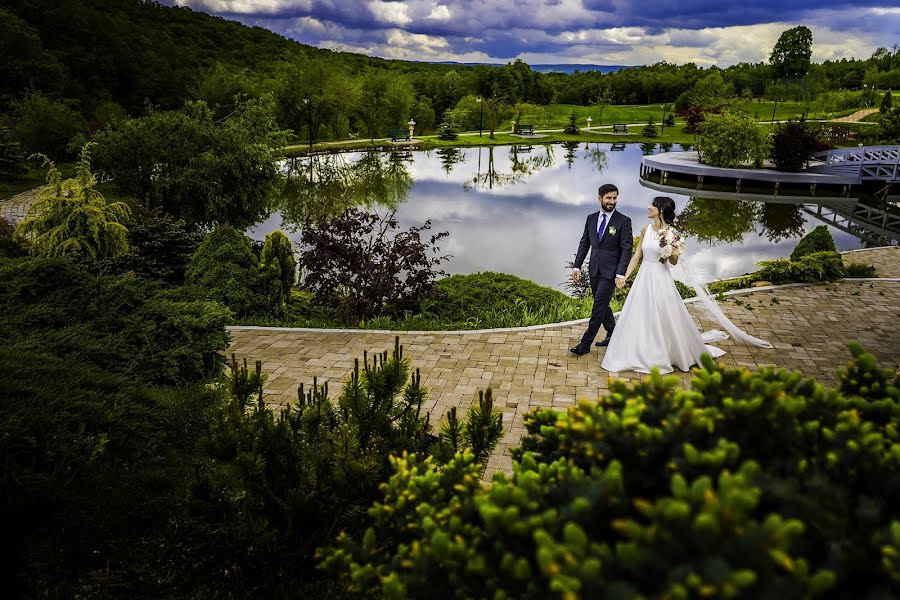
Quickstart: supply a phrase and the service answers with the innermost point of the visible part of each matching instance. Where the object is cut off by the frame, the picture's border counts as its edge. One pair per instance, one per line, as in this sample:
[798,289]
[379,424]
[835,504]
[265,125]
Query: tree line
[71,68]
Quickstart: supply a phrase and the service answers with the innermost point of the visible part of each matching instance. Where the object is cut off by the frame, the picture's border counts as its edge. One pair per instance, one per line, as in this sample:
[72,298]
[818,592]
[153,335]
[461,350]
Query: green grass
[478,301]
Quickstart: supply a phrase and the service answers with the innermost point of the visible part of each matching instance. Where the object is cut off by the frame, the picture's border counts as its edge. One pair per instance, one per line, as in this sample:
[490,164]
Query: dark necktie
[601,228]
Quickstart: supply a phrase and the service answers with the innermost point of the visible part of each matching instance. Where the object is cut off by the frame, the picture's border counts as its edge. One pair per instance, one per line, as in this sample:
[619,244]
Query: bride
[655,329]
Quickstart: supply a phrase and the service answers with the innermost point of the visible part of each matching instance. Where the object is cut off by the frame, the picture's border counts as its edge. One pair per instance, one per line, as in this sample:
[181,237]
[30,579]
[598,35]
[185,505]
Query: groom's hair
[605,189]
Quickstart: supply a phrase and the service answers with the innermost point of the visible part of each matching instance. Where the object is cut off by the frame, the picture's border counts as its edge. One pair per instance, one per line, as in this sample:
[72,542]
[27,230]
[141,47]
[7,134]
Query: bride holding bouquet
[658,331]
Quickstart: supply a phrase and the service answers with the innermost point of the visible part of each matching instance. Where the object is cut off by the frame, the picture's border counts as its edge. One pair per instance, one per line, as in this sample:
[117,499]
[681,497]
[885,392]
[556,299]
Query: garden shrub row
[745,485]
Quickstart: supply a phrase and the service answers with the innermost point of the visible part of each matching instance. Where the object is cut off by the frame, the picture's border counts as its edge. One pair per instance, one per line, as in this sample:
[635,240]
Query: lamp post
[480,115]
[589,122]
[774,105]
[309,120]
[662,129]
[412,126]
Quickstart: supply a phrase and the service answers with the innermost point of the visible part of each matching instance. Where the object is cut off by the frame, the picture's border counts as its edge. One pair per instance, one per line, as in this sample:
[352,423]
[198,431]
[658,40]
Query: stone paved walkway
[14,209]
[533,368]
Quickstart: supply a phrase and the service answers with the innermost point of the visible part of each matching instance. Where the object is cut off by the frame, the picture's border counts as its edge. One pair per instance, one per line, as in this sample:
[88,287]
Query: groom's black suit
[610,256]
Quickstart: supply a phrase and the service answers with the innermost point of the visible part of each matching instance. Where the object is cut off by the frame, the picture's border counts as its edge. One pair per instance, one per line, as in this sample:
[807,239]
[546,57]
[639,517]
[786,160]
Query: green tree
[198,169]
[887,101]
[224,88]
[71,218]
[889,125]
[603,99]
[12,160]
[279,270]
[225,269]
[792,53]
[46,126]
[732,140]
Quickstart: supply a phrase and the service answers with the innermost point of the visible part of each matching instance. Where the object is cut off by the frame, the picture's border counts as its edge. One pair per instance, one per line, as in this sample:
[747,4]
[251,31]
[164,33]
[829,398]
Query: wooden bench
[620,128]
[523,129]
[396,134]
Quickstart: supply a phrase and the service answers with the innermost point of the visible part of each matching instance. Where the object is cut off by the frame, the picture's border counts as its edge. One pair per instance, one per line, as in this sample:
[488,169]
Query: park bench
[620,128]
[396,134]
[523,129]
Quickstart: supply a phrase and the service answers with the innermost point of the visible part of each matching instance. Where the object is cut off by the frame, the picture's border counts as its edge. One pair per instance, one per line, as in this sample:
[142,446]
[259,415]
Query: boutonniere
[611,230]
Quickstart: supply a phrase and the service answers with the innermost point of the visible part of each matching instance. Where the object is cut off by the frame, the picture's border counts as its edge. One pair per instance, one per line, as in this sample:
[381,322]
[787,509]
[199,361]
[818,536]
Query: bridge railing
[867,162]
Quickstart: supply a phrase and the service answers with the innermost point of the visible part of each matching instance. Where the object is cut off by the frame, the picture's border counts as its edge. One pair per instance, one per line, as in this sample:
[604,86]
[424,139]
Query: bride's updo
[666,208]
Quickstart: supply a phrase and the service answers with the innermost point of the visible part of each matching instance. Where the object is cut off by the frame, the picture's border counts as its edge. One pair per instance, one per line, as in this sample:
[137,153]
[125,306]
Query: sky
[605,32]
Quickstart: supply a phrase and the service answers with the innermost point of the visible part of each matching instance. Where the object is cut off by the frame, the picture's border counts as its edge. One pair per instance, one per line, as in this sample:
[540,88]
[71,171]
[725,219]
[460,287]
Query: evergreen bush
[278,270]
[225,269]
[94,466]
[159,247]
[71,218]
[282,484]
[817,240]
[745,485]
[121,324]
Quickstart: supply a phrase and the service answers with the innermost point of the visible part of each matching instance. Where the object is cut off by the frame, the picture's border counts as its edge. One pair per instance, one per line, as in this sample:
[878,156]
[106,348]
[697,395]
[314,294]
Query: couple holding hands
[654,329]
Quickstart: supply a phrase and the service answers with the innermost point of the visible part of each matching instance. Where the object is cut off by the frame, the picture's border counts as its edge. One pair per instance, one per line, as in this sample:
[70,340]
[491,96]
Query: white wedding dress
[655,329]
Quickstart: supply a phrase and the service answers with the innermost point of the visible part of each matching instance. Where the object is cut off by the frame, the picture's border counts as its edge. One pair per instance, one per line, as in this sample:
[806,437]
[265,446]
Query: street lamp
[663,122]
[412,125]
[480,115]
[589,122]
[309,120]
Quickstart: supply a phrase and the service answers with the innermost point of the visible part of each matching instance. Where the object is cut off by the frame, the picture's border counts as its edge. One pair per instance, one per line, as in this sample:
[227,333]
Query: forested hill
[129,50]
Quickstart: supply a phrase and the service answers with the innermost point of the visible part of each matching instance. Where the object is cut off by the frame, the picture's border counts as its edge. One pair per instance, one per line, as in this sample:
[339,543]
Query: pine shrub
[225,269]
[817,240]
[745,485]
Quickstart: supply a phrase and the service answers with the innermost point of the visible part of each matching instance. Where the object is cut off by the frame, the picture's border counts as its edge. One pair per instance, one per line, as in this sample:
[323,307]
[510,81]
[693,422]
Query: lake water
[521,210]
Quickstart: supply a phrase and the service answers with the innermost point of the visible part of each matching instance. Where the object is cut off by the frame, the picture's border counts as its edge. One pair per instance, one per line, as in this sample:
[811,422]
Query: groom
[608,234]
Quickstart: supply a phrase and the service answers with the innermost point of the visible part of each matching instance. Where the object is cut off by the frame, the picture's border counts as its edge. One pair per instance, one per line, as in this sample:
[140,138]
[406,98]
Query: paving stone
[809,328]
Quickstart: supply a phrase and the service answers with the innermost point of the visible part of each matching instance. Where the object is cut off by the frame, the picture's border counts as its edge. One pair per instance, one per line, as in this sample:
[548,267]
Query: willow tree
[71,217]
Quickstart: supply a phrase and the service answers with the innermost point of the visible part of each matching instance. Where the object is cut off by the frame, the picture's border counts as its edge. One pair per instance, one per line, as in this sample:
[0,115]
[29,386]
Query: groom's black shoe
[579,350]
[604,342]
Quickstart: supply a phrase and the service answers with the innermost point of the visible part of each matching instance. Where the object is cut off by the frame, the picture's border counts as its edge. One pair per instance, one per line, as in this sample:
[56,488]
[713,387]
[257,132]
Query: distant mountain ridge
[548,68]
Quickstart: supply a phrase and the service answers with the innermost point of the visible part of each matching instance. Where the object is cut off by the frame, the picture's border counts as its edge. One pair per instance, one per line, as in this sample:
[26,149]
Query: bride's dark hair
[666,208]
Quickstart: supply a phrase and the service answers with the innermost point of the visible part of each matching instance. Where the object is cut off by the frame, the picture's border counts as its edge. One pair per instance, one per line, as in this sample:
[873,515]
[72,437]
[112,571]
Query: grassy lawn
[477,301]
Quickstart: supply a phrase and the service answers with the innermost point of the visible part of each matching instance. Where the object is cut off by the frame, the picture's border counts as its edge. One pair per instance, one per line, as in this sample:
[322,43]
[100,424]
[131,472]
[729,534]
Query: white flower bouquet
[671,244]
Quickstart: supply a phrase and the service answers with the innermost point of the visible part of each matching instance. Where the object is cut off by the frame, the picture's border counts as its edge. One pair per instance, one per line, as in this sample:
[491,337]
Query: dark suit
[609,256]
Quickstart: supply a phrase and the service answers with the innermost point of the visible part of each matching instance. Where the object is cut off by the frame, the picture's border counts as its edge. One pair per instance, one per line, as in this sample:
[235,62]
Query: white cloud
[440,13]
[390,12]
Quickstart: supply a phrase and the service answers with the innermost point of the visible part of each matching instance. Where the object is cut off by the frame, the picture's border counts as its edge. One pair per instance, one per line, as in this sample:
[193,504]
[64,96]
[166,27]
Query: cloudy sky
[610,32]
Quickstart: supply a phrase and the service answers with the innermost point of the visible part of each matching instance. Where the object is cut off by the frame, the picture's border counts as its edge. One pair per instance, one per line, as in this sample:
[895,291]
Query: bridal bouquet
[670,244]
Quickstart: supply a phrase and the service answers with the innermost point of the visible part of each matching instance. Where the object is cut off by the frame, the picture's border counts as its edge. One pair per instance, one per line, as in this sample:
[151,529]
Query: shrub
[281,484]
[120,324]
[71,218]
[225,269]
[732,140]
[278,271]
[649,129]
[159,247]
[889,125]
[811,268]
[887,102]
[12,159]
[792,143]
[357,263]
[860,271]
[572,127]
[92,463]
[9,246]
[817,240]
[750,485]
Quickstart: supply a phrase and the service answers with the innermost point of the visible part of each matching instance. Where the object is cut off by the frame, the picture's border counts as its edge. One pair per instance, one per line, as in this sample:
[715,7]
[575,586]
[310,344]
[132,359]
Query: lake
[521,209]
